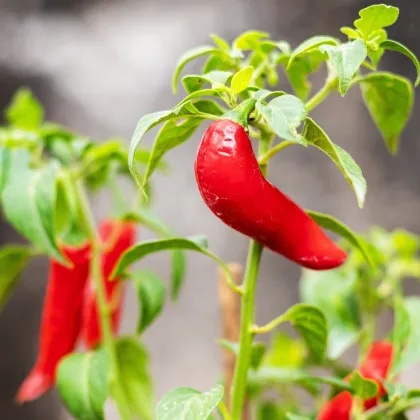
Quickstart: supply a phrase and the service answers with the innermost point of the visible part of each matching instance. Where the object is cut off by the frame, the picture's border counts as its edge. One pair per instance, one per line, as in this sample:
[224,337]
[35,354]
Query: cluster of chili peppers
[376,367]
[70,311]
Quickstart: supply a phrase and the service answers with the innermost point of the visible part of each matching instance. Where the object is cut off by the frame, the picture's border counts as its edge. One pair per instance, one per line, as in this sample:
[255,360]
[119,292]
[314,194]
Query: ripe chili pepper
[376,366]
[61,319]
[116,236]
[234,188]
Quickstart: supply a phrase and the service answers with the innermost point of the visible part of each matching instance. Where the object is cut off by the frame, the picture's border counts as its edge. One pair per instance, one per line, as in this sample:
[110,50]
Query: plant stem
[330,85]
[263,160]
[246,335]
[248,309]
[103,309]
[224,411]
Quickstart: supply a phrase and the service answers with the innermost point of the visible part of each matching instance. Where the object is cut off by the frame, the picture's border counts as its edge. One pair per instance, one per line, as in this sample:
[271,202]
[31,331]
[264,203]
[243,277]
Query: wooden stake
[230,306]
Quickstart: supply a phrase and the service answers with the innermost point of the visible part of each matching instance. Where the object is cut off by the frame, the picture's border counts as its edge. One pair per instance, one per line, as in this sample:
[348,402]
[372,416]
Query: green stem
[224,411]
[103,309]
[248,310]
[330,85]
[263,160]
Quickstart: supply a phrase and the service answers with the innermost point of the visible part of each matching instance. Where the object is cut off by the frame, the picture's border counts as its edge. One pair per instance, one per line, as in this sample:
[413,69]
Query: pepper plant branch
[263,160]
[224,411]
[248,309]
[103,309]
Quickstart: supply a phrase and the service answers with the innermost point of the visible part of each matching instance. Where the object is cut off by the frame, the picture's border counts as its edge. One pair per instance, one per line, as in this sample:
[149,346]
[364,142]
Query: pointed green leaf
[188,404]
[150,220]
[193,83]
[29,200]
[220,42]
[284,114]
[346,60]
[316,136]
[189,56]
[389,99]
[25,111]
[334,225]
[311,324]
[376,17]
[310,44]
[172,134]
[151,296]
[249,40]
[141,250]
[401,332]
[13,260]
[350,32]
[396,46]
[134,377]
[82,381]
[334,292]
[241,79]
[362,387]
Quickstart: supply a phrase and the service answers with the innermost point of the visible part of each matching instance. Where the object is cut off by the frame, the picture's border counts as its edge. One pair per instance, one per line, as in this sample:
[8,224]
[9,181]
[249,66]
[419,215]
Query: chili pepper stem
[330,85]
[103,310]
[248,309]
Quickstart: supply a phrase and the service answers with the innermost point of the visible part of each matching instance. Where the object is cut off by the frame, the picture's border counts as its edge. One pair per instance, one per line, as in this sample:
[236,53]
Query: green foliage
[389,99]
[151,296]
[13,260]
[316,136]
[241,79]
[188,403]
[257,351]
[362,387]
[376,17]
[83,385]
[25,111]
[346,60]
[134,377]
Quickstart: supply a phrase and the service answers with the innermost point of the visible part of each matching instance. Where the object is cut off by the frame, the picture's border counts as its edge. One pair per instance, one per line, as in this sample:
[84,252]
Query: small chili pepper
[234,188]
[376,366]
[61,320]
[116,236]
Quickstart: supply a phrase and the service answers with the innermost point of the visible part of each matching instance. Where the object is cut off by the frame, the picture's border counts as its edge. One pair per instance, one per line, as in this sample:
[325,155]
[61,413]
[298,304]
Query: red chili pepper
[376,366]
[233,187]
[117,237]
[61,320]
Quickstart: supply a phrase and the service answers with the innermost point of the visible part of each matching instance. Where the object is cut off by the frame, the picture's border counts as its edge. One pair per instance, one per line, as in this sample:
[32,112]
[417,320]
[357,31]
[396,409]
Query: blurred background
[98,66]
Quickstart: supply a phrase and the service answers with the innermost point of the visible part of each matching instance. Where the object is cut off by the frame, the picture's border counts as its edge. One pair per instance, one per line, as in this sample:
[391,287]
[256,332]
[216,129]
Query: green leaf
[401,331]
[193,83]
[389,99]
[310,44]
[134,377]
[411,354]
[5,157]
[13,260]
[311,324]
[150,220]
[350,32]
[188,404]
[346,60]
[82,381]
[362,387]
[257,351]
[334,292]
[189,56]
[292,416]
[396,46]
[334,225]
[376,17]
[29,199]
[269,411]
[141,250]
[220,42]
[241,79]
[25,111]
[172,134]
[250,40]
[284,114]
[316,136]
[151,296]
[285,351]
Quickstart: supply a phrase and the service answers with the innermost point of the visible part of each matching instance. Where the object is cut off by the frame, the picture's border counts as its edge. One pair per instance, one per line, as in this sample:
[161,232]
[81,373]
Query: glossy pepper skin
[376,366]
[233,187]
[61,320]
[116,236]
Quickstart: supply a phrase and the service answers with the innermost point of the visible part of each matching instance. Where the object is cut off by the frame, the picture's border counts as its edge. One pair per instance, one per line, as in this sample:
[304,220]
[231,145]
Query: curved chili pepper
[233,187]
[61,320]
[116,236]
[376,366]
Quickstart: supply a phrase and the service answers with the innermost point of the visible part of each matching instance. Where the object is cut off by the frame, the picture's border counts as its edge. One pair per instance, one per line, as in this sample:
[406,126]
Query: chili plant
[345,286]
